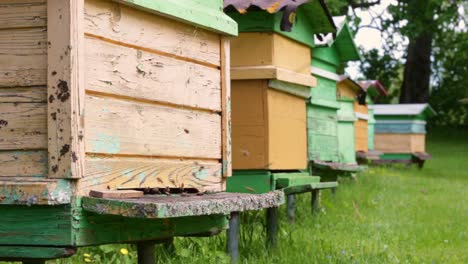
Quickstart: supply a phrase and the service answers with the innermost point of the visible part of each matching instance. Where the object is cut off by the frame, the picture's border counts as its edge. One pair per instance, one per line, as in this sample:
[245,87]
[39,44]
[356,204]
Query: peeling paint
[106,144]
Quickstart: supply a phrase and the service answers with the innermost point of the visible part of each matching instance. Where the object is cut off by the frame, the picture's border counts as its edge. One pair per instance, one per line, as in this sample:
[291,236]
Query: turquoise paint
[201,174]
[106,144]
[400,128]
[63,191]
[142,176]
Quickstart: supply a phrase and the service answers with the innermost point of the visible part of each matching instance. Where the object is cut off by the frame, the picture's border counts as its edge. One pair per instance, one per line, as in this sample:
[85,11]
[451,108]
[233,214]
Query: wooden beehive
[327,59]
[112,95]
[349,132]
[400,129]
[268,101]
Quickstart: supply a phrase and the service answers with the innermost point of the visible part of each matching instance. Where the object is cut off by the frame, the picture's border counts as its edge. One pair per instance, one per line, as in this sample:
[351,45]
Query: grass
[389,215]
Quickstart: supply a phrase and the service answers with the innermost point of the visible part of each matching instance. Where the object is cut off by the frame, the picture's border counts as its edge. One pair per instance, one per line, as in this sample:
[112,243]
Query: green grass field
[388,215]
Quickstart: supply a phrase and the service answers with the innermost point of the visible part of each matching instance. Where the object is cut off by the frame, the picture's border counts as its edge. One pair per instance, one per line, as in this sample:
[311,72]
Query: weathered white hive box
[101,94]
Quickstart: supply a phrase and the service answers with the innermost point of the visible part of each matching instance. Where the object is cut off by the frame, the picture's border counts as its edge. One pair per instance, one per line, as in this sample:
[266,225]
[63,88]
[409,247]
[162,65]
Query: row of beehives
[124,98]
[100,96]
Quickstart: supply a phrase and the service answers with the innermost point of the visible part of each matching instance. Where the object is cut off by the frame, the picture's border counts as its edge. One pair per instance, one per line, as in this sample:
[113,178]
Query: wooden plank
[128,25]
[287,132]
[115,69]
[393,143]
[32,252]
[35,225]
[130,173]
[361,135]
[418,143]
[116,194]
[34,191]
[345,91]
[23,163]
[249,124]
[161,206]
[23,13]
[361,108]
[291,55]
[272,72]
[252,49]
[127,127]
[34,94]
[65,88]
[23,57]
[226,106]
[23,126]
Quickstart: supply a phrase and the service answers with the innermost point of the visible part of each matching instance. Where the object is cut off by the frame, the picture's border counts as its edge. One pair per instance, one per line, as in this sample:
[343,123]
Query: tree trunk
[417,74]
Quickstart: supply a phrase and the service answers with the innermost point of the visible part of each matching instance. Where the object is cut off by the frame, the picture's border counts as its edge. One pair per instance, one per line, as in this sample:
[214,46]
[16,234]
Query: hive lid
[402,109]
[295,19]
[207,14]
[162,206]
[342,41]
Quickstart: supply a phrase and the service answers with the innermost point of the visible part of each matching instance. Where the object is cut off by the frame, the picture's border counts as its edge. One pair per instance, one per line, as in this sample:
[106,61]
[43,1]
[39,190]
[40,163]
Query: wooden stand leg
[291,208]
[145,250]
[39,261]
[233,237]
[316,201]
[169,247]
[333,191]
[272,226]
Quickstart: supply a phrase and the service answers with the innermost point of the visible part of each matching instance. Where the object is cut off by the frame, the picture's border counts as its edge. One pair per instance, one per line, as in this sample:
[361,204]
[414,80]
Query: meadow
[391,214]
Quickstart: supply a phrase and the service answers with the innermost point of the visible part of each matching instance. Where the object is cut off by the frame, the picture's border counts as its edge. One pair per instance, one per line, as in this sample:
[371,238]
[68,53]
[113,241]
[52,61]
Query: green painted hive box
[347,93]
[107,95]
[322,116]
[270,73]
[400,130]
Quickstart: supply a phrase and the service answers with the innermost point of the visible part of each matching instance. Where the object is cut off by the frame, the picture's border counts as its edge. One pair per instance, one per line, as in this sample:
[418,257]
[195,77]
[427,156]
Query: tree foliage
[424,55]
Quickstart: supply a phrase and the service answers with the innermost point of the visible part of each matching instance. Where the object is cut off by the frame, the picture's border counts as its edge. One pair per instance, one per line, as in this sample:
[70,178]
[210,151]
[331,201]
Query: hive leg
[291,207]
[272,226]
[233,237]
[316,200]
[145,250]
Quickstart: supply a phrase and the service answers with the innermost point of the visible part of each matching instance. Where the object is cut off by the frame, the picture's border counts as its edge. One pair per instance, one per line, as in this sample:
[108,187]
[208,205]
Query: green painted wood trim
[36,225]
[396,156]
[285,180]
[161,206]
[95,229]
[347,118]
[325,103]
[29,252]
[205,14]
[310,187]
[250,181]
[290,88]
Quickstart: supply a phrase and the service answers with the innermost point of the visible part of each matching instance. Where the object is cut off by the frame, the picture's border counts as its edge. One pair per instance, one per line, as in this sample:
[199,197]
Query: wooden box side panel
[344,91]
[322,136]
[362,135]
[23,92]
[393,143]
[346,142]
[154,102]
[252,49]
[119,23]
[418,143]
[249,124]
[363,109]
[287,130]
[371,133]
[290,54]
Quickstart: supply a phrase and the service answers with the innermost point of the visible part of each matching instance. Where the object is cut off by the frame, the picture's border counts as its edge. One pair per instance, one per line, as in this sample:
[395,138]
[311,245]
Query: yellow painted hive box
[108,95]
[270,83]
